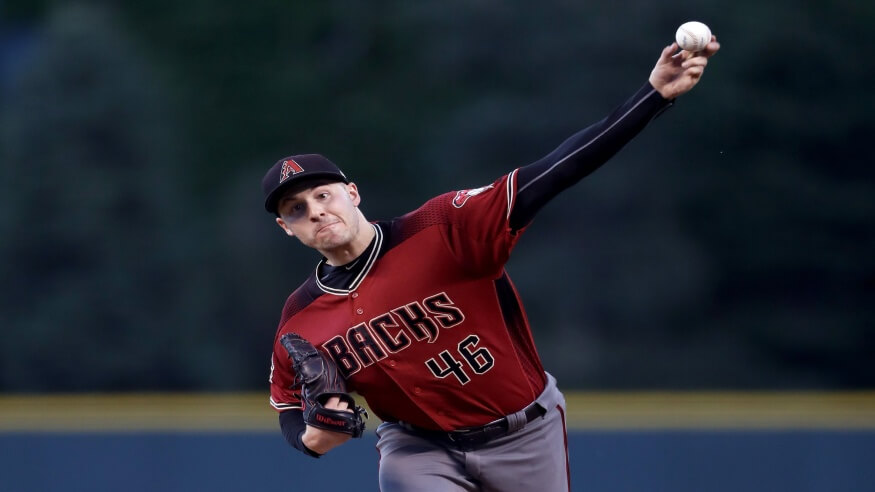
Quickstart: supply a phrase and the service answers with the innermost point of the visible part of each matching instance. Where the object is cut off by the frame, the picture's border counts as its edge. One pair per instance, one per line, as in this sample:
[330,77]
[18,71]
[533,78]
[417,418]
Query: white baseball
[693,36]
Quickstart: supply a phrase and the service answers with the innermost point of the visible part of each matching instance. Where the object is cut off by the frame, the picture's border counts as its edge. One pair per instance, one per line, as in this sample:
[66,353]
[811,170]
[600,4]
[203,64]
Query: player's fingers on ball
[696,71]
[696,61]
[712,47]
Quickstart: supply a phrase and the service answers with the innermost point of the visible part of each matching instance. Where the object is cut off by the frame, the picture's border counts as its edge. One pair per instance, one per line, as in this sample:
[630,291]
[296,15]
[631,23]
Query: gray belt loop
[549,398]
[516,421]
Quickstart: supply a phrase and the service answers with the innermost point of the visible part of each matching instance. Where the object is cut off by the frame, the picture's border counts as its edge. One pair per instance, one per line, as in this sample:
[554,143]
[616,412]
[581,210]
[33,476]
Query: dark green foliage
[729,246]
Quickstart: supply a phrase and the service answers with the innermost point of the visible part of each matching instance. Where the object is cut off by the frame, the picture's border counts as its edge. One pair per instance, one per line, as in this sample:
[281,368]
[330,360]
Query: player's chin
[330,241]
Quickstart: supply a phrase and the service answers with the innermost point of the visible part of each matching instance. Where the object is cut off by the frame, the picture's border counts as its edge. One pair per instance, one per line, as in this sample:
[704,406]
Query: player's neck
[353,249]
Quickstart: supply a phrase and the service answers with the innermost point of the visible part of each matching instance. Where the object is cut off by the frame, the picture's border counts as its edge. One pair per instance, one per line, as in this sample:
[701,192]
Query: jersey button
[359,311]
[417,390]
[355,294]
[392,363]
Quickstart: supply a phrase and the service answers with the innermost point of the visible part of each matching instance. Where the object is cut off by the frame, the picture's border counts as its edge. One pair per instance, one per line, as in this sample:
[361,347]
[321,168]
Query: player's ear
[353,191]
[280,222]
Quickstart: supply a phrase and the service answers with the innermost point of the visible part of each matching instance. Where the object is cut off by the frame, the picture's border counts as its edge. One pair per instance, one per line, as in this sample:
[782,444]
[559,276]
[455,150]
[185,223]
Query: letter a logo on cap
[290,167]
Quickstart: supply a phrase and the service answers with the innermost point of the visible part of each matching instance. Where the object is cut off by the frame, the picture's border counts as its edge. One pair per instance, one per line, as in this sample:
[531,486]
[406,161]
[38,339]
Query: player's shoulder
[445,210]
[300,298]
[434,212]
[436,208]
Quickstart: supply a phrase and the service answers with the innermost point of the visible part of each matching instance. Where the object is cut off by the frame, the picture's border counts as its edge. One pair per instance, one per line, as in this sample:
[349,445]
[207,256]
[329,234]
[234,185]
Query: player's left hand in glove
[320,381]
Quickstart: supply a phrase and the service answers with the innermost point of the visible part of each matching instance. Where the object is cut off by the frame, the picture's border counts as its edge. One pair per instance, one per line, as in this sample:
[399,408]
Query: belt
[474,437]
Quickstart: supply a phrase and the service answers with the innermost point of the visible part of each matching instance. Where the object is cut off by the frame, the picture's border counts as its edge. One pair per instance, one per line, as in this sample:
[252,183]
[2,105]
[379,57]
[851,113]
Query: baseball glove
[320,380]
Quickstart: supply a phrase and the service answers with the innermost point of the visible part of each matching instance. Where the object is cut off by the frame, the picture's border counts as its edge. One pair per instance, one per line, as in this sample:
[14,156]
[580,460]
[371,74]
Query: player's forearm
[293,428]
[583,153]
[309,440]
[322,441]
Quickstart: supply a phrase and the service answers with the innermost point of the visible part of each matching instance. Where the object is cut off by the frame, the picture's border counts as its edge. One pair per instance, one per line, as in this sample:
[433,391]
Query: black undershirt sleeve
[293,427]
[583,153]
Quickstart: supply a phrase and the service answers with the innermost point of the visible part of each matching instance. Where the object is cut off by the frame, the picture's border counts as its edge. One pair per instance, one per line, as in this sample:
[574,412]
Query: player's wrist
[321,441]
[304,448]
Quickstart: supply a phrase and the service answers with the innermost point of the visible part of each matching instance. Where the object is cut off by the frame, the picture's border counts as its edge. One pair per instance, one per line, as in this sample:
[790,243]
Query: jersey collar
[355,279]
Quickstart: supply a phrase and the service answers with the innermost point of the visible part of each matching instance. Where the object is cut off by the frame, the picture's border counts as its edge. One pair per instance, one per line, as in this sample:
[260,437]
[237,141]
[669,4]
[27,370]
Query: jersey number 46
[478,360]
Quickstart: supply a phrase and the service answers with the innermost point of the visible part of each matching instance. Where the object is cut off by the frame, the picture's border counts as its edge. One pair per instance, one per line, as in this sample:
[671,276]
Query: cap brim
[272,200]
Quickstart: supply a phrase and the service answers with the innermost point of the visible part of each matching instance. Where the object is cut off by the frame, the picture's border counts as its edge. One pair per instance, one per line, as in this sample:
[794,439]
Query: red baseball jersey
[432,331]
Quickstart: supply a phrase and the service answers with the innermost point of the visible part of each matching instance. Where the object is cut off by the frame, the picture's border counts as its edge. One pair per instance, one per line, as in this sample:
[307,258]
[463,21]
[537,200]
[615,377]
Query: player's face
[323,216]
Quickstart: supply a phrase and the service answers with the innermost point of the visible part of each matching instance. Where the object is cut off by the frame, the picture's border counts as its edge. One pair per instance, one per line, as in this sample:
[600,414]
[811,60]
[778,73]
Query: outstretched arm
[588,149]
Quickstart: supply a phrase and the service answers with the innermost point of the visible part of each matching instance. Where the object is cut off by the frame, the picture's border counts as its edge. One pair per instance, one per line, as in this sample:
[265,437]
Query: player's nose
[316,211]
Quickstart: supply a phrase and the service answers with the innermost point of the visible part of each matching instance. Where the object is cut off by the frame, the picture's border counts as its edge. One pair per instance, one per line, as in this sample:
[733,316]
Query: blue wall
[677,461]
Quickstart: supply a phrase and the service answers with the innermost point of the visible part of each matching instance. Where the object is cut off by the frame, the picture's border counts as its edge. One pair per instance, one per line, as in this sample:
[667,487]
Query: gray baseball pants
[534,458]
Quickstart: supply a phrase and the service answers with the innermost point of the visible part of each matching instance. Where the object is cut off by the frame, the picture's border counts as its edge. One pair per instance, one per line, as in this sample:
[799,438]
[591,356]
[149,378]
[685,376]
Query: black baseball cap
[296,169]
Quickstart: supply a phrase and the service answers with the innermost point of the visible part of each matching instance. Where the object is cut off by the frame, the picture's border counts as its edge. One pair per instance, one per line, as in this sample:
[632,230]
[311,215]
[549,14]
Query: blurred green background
[730,246]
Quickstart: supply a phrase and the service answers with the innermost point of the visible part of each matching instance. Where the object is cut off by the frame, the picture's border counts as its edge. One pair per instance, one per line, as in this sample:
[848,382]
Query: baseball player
[418,315]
